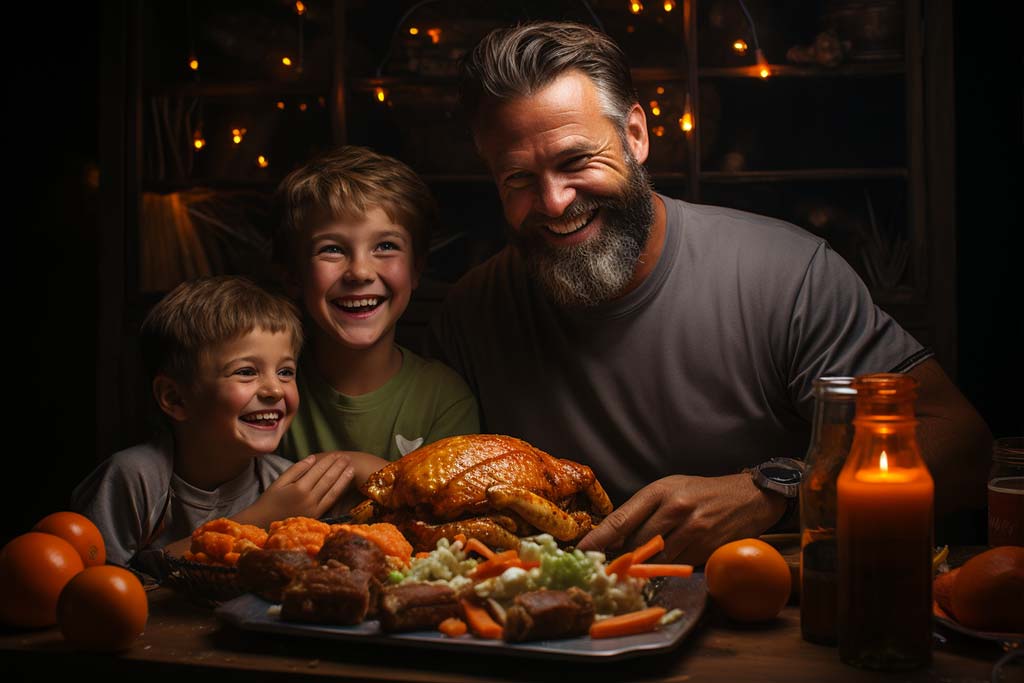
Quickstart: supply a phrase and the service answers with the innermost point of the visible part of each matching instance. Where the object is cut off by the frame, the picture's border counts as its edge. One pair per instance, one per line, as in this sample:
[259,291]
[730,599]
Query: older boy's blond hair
[346,184]
[199,314]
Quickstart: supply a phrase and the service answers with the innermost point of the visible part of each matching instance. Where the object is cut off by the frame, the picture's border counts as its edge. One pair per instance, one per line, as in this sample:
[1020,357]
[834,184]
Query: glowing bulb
[382,94]
[659,131]
[303,106]
[413,31]
[287,61]
[883,462]
[660,90]
[686,120]
[762,64]
[655,109]
[193,64]
[435,35]
[669,5]
[636,7]
[262,161]
[739,47]
[300,9]
[280,104]
[237,134]
[198,142]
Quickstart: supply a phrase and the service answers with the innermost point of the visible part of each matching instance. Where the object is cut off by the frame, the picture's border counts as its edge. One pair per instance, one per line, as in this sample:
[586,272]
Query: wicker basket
[206,584]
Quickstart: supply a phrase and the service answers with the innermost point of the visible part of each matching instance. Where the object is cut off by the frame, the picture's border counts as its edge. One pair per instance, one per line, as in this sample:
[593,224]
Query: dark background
[52,106]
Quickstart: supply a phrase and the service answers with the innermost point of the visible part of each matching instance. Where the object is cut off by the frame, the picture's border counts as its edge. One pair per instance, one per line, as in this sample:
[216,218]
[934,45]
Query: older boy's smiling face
[358,277]
[244,396]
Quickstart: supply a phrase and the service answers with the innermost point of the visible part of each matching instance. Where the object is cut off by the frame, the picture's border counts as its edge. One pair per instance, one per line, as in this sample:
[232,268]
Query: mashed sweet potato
[222,541]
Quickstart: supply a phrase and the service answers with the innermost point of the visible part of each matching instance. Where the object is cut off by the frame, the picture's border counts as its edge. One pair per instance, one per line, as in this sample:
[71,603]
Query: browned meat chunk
[545,614]
[331,594]
[267,572]
[355,552]
[418,606]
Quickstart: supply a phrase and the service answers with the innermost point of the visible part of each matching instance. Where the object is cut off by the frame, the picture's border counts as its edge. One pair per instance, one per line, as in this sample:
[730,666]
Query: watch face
[783,475]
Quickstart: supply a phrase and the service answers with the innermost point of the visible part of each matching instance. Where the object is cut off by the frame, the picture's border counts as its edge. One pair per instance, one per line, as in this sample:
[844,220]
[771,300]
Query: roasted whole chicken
[491,487]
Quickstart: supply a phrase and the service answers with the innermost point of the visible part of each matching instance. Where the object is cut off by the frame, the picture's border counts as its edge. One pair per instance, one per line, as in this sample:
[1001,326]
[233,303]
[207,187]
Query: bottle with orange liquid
[831,436]
[885,531]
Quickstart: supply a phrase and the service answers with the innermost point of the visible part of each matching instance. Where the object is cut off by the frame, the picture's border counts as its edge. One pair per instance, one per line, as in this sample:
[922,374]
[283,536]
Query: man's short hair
[517,61]
[200,314]
[347,183]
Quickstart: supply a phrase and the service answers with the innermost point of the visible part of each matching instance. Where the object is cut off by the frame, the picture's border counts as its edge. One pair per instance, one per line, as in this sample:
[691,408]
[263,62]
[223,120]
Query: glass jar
[831,436]
[885,528]
[1006,493]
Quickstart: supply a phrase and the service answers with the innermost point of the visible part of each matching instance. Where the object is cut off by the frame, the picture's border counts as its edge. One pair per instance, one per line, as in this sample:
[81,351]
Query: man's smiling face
[575,196]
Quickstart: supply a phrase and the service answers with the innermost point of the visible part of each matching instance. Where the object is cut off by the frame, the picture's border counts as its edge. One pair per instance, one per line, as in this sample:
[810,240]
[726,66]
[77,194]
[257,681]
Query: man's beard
[596,270]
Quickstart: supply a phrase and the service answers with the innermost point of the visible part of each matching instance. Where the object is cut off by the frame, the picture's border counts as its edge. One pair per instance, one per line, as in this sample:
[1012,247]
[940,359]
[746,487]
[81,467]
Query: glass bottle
[1006,492]
[831,436]
[885,529]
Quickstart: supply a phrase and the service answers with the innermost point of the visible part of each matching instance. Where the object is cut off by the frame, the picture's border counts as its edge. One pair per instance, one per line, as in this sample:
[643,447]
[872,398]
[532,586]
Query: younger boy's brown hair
[347,183]
[201,313]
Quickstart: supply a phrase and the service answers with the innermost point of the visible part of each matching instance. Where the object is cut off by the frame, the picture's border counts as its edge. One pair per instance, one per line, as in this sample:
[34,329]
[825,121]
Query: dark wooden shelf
[164,186]
[803,174]
[855,70]
[241,89]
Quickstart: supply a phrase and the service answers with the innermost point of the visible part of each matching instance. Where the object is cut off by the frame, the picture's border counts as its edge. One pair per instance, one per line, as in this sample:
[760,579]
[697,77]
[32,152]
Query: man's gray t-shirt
[704,369]
[140,505]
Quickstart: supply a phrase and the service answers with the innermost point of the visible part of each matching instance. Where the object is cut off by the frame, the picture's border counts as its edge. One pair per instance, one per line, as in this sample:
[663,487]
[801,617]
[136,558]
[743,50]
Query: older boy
[221,354]
[356,229]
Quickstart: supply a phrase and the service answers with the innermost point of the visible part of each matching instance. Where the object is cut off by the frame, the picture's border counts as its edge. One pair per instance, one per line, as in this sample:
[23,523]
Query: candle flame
[883,462]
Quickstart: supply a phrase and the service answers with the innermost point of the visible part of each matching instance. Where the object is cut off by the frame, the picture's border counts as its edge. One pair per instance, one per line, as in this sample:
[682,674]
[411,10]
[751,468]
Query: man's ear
[636,133]
[169,397]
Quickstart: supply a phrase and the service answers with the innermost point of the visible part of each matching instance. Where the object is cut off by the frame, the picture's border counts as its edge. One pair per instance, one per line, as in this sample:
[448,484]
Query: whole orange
[748,579]
[34,568]
[79,531]
[103,608]
[988,592]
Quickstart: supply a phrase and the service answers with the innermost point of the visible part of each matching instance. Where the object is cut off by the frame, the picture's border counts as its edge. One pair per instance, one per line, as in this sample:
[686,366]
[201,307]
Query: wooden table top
[185,642]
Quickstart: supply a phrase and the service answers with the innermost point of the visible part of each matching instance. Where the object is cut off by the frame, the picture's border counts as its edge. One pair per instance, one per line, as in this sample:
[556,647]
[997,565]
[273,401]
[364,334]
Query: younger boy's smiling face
[358,277]
[244,395]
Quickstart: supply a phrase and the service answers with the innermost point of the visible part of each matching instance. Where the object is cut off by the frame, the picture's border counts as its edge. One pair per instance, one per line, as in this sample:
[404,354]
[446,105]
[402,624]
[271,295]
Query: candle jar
[831,436]
[885,519]
[1006,493]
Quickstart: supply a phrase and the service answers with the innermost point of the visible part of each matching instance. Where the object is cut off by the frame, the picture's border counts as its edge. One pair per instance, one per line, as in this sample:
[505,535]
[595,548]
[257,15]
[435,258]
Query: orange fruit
[102,608]
[988,593]
[34,568]
[79,531]
[942,590]
[748,579]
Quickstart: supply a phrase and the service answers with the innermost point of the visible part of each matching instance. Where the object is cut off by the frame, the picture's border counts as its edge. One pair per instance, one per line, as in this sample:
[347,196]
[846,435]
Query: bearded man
[670,346]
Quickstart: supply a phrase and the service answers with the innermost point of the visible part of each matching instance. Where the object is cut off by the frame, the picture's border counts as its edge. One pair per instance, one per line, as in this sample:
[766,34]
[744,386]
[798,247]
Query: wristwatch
[780,475]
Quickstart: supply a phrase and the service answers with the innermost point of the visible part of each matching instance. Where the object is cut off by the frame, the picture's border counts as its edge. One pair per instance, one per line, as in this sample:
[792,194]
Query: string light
[237,134]
[636,7]
[763,70]
[300,9]
[669,5]
[280,104]
[287,61]
[321,101]
[197,140]
[660,90]
[413,31]
[262,161]
[686,120]
[659,131]
[193,64]
[655,109]
[435,35]
[303,106]
[739,46]
[382,94]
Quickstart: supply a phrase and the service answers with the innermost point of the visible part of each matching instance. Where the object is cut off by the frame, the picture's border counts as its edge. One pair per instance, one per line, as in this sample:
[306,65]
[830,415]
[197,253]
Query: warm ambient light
[193,64]
[883,462]
[280,104]
[686,122]
[659,131]
[413,31]
[435,35]
[287,61]
[197,140]
[655,109]
[660,90]
[382,94]
[237,134]
[303,106]
[762,65]
[300,9]
[262,161]
[740,47]
[636,7]
[669,5]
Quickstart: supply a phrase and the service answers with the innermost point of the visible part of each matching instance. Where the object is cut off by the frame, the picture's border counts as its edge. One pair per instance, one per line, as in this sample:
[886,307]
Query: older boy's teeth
[567,226]
[356,304]
[271,416]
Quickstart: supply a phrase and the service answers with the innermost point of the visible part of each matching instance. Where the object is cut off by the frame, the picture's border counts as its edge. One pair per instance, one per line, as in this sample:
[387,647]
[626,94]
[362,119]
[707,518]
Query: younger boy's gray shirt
[704,369]
[140,505]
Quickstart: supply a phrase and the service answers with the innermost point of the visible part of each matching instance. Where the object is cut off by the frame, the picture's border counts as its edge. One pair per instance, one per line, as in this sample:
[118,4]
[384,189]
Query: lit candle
[884,530]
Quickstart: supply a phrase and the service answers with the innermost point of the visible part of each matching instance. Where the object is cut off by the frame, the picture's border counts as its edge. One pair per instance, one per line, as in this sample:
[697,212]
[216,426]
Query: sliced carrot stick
[461,537]
[648,549]
[452,627]
[619,565]
[475,546]
[480,622]
[628,624]
[496,565]
[648,571]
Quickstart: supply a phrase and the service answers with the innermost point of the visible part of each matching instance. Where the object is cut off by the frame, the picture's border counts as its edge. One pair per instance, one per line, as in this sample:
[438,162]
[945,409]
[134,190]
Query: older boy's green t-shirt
[425,401]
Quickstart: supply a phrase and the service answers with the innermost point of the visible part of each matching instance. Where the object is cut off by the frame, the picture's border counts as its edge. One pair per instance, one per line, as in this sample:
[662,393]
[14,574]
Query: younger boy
[356,230]
[221,355]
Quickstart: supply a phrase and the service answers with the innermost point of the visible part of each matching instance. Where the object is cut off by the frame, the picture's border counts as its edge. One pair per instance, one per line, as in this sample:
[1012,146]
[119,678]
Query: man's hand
[309,488]
[695,515]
